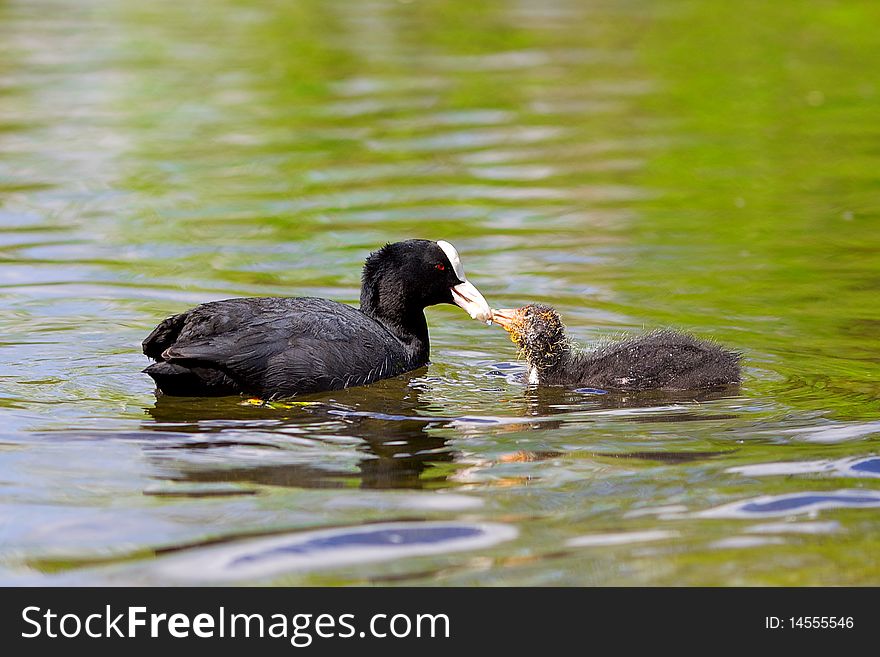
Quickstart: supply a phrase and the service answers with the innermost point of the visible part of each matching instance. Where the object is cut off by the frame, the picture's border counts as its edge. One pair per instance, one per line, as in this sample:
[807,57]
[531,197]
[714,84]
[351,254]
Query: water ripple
[795,503]
[621,538]
[847,467]
[345,546]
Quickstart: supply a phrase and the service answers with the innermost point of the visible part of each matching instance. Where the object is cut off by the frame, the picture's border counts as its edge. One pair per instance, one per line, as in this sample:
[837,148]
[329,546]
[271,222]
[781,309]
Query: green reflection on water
[693,164]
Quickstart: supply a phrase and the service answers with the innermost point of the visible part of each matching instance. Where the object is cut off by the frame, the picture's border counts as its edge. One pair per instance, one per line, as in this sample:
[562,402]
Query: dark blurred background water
[710,166]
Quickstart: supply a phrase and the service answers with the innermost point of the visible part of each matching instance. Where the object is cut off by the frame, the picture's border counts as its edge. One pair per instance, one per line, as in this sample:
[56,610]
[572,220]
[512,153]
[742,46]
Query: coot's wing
[282,347]
[202,321]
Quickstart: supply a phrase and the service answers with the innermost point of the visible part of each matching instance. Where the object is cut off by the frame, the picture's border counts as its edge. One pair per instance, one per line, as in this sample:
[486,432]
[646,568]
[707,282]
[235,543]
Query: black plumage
[280,347]
[660,360]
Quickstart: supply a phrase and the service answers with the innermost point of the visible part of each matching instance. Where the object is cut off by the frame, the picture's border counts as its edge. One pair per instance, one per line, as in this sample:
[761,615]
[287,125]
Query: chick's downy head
[538,332]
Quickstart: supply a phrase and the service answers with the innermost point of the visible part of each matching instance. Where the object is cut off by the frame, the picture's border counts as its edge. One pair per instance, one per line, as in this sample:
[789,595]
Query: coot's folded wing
[288,346]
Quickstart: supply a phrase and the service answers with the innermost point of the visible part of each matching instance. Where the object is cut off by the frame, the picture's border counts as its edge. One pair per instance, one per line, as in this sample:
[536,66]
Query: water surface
[635,164]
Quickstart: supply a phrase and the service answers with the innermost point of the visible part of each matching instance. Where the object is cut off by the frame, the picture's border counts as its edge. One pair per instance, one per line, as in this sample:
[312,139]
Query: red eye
[439,267]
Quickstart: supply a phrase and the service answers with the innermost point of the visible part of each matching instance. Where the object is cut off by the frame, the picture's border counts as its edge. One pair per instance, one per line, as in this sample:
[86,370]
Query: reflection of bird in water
[397,450]
[663,405]
[549,407]
[397,443]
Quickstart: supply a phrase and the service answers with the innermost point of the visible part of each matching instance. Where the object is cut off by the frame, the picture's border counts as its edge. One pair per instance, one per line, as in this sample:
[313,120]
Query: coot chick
[280,347]
[660,360]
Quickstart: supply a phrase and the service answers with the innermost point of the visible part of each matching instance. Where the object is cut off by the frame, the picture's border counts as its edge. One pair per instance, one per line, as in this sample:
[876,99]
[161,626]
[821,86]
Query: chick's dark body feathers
[660,360]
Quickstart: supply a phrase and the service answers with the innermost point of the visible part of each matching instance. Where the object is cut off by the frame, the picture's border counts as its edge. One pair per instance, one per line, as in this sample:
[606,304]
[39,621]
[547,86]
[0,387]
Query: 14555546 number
[821,622]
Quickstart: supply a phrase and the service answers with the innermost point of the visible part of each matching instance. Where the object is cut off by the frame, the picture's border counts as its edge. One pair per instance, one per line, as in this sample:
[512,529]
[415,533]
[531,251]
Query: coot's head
[538,332]
[405,277]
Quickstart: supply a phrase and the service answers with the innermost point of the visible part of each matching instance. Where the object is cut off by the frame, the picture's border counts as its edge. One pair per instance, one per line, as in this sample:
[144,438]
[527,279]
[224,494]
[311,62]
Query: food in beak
[469,298]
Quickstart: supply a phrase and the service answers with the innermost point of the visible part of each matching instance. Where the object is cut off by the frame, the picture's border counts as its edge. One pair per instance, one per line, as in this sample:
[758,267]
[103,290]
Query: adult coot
[280,347]
[661,360]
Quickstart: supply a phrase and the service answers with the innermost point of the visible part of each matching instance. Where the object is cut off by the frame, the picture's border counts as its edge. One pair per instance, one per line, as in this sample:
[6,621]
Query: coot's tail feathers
[180,380]
[163,336]
[210,351]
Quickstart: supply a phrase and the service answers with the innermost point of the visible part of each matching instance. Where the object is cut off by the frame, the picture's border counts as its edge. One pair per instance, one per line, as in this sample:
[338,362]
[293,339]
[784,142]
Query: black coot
[661,360]
[280,347]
